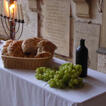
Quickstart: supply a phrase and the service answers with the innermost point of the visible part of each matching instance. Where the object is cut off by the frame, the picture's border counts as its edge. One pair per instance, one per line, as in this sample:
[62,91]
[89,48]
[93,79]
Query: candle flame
[10,9]
[6,5]
[12,6]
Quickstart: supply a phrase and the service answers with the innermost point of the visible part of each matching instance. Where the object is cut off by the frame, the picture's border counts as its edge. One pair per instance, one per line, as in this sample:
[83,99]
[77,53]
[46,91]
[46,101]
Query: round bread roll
[47,46]
[4,49]
[7,43]
[14,49]
[43,55]
[30,45]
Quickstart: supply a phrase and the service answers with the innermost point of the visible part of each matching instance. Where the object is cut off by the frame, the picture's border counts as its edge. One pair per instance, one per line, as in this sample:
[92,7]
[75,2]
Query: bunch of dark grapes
[66,76]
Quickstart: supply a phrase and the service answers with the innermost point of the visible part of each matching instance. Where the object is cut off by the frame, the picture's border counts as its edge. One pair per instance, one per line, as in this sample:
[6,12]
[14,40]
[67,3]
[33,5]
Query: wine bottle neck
[82,42]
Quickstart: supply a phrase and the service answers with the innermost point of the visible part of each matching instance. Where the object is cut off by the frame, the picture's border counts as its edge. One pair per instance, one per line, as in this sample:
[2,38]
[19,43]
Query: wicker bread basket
[24,63]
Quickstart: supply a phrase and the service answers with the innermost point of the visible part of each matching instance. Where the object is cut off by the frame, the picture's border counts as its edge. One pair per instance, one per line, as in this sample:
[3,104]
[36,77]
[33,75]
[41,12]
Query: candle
[22,16]
[9,8]
[6,8]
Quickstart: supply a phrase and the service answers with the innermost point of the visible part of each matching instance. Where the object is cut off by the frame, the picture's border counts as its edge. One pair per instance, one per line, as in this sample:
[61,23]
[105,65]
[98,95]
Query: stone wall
[96,16]
[31,22]
[101,60]
[89,29]
[30,27]
[102,50]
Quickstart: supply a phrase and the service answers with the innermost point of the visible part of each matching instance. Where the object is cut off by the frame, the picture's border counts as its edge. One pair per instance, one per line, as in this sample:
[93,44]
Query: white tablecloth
[21,88]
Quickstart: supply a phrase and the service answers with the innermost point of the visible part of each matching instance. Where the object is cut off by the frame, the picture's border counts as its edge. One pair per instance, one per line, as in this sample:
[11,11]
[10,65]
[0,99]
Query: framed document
[55,24]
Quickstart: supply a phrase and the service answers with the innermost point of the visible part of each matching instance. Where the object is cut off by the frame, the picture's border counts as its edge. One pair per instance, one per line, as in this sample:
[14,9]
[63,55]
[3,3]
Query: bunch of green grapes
[43,73]
[66,76]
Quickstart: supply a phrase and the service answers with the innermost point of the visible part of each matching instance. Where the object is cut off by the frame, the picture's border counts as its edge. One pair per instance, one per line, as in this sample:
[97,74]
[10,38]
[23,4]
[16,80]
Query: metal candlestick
[12,26]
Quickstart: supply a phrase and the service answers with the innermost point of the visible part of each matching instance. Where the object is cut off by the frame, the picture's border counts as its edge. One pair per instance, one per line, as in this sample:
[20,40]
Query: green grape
[40,70]
[46,77]
[58,76]
[52,83]
[60,84]
[52,72]
[73,76]
[70,84]
[64,66]
[67,71]
[48,70]
[51,76]
[66,78]
[78,73]
[73,71]
[78,68]
[76,81]
[57,72]
[39,76]
[61,72]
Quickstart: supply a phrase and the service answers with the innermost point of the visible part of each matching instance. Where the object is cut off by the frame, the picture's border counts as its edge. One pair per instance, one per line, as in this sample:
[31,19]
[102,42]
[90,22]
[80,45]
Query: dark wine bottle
[82,57]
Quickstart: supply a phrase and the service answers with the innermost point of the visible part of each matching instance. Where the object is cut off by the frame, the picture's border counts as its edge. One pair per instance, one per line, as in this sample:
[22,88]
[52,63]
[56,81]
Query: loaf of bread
[4,49]
[30,45]
[14,49]
[47,46]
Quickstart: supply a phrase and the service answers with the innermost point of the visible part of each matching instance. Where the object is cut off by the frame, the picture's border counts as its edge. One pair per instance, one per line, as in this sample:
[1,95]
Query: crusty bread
[43,55]
[14,49]
[4,49]
[29,48]
[7,43]
[30,45]
[47,46]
